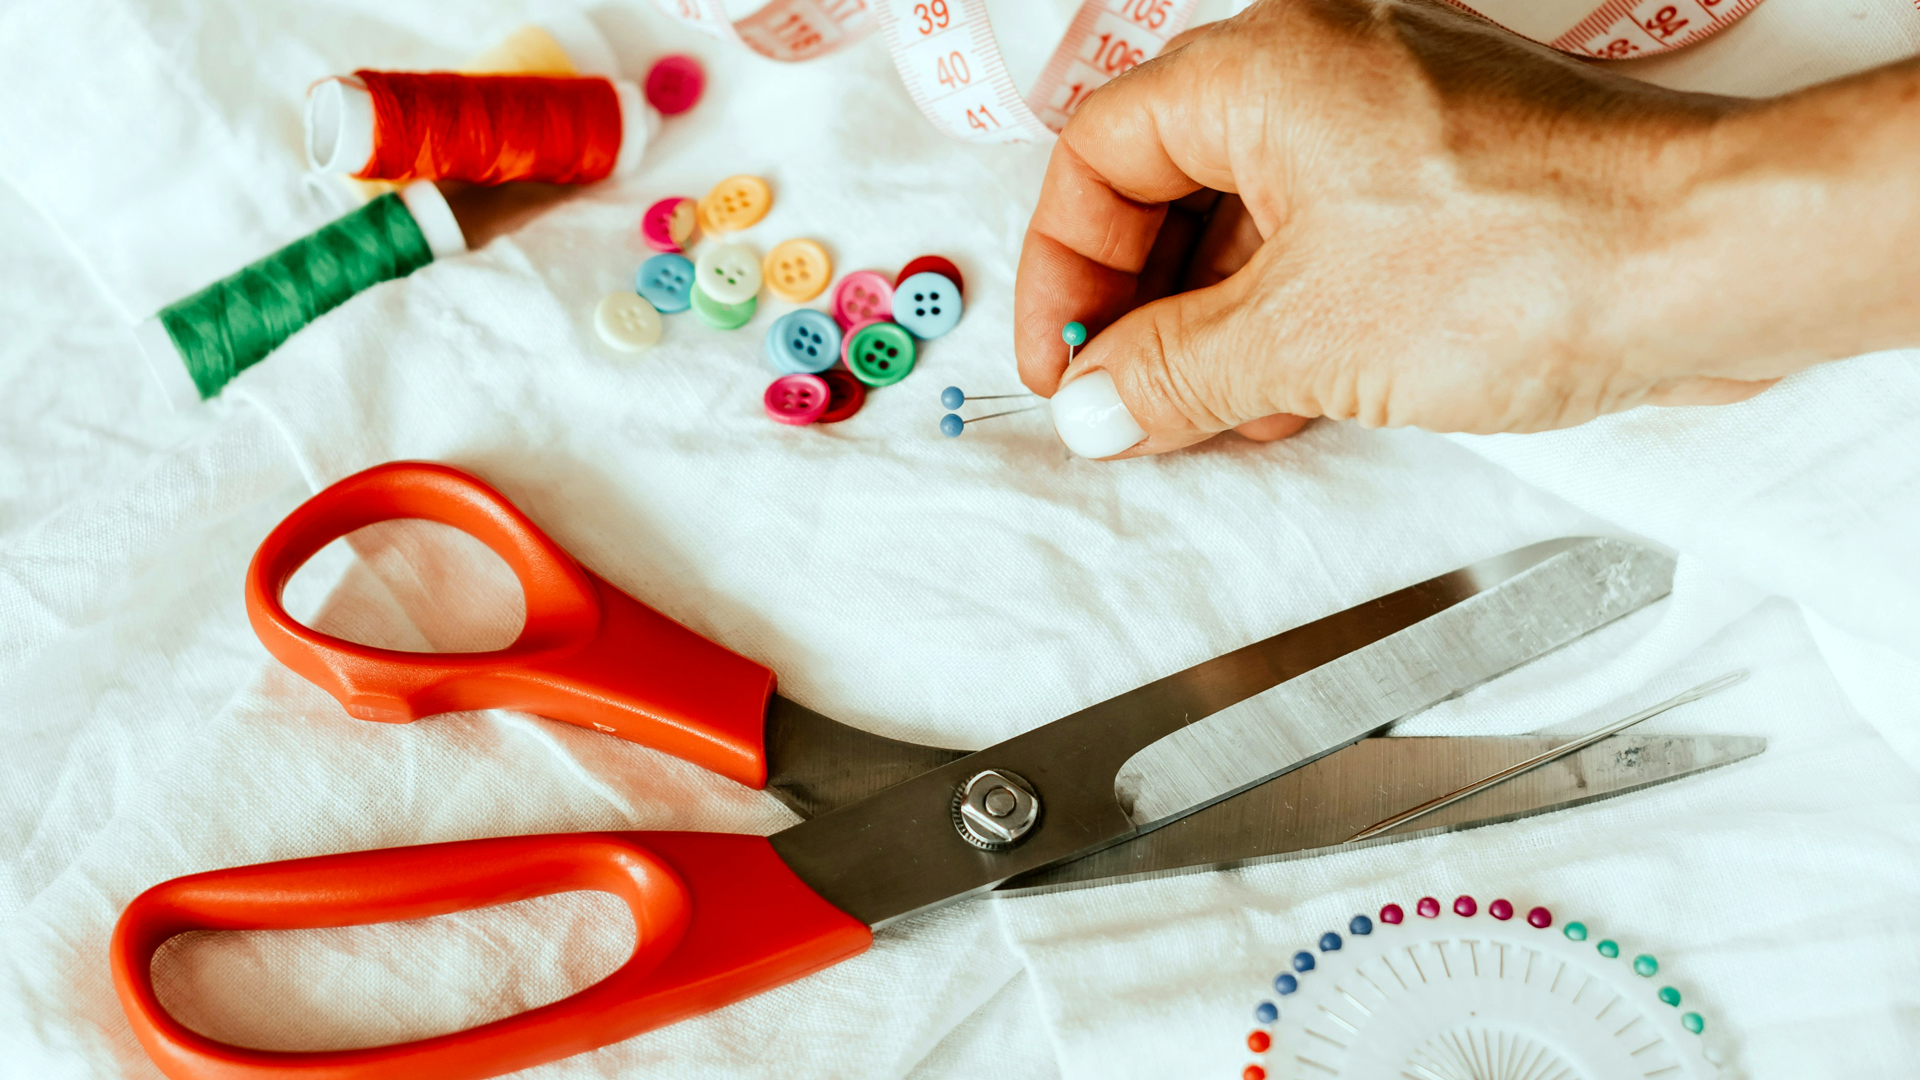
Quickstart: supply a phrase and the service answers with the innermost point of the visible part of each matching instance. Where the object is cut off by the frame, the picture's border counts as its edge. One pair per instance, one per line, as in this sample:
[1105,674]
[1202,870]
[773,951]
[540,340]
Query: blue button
[803,342]
[1303,961]
[667,282]
[1285,983]
[927,304]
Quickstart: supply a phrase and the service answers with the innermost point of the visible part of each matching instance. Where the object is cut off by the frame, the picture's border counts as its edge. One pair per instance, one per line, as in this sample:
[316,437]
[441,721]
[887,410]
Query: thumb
[1166,375]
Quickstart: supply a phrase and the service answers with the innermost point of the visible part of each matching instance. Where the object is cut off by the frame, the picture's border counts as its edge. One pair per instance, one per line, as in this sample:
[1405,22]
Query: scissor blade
[815,764]
[897,852]
[1312,809]
[1542,603]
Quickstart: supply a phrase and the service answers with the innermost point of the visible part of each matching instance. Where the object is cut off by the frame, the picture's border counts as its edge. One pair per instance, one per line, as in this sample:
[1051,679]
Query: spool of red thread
[483,129]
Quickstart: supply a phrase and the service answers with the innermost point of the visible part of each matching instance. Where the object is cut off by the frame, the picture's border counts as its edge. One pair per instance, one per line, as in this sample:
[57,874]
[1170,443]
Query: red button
[674,84]
[931,264]
[797,399]
[846,395]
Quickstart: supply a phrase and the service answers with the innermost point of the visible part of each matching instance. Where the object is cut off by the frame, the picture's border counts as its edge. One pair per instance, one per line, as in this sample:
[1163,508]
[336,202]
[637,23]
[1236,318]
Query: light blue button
[927,304]
[803,342]
[666,281]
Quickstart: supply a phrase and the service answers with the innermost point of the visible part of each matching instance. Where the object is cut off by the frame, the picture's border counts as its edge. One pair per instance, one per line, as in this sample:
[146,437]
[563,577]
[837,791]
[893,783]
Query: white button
[627,322]
[729,273]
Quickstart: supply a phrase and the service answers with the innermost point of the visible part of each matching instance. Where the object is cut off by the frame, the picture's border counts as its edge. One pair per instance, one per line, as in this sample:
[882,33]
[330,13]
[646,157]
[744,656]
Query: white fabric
[950,591]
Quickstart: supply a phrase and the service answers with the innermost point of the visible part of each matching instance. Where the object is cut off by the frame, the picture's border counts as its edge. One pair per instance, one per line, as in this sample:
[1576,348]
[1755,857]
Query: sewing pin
[953,398]
[1074,335]
[951,425]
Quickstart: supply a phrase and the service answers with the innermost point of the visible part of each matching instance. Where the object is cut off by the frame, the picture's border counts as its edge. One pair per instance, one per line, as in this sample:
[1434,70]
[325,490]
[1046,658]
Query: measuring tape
[1616,29]
[951,64]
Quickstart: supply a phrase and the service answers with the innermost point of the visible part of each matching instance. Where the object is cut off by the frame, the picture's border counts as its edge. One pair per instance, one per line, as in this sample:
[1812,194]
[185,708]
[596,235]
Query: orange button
[797,270]
[735,203]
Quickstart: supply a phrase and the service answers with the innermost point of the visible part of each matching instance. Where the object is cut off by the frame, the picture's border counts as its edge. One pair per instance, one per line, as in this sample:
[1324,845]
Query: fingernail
[1091,419]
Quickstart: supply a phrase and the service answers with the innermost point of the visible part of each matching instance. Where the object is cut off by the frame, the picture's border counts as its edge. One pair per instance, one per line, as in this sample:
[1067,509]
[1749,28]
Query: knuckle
[1169,379]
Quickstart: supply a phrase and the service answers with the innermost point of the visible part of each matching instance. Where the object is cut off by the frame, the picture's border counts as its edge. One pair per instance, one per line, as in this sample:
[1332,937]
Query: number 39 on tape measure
[951,64]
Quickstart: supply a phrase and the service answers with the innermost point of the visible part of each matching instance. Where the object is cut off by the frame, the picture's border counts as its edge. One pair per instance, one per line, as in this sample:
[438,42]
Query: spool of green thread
[197,345]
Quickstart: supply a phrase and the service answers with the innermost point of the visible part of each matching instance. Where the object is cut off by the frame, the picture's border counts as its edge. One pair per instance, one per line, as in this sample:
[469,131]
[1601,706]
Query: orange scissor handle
[588,654]
[717,918]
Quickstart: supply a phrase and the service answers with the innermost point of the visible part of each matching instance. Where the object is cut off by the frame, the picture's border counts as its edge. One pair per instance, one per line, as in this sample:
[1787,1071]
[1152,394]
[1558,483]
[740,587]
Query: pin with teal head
[1075,335]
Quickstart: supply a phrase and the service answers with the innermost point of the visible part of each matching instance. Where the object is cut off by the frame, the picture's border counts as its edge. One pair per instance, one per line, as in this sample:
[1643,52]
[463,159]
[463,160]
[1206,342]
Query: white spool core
[339,126]
[638,123]
[435,218]
[164,360]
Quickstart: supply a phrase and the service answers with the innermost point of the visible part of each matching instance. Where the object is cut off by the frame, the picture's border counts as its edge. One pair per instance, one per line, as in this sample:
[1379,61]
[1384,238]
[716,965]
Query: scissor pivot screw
[994,809]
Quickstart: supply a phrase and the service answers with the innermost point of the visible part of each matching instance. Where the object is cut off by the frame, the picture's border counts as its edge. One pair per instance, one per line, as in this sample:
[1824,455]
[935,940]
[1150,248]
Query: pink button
[674,84]
[846,338]
[797,399]
[668,224]
[860,296]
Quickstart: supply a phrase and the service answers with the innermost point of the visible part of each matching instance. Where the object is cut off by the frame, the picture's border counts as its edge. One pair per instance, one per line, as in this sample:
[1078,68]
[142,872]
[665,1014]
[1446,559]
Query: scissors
[1261,752]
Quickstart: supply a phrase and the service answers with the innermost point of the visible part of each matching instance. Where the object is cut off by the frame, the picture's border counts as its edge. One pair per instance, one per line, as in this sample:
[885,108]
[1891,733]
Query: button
[666,281]
[803,341]
[846,341]
[674,84]
[703,213]
[860,296]
[627,322]
[927,304]
[797,399]
[932,264]
[723,316]
[881,354]
[797,270]
[728,273]
[848,393]
[668,224]
[736,203]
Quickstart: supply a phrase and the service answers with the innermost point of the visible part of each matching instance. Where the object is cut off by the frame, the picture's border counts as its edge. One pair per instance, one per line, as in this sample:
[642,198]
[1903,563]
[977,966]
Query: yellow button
[735,203]
[797,270]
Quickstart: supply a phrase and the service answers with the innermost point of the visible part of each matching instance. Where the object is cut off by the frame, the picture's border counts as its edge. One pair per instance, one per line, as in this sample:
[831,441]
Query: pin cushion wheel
[1468,993]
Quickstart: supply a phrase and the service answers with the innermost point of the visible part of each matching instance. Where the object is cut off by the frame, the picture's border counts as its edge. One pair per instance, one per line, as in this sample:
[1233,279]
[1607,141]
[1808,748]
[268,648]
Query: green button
[1670,995]
[1645,965]
[1576,931]
[723,316]
[881,354]
[1693,1022]
[1608,948]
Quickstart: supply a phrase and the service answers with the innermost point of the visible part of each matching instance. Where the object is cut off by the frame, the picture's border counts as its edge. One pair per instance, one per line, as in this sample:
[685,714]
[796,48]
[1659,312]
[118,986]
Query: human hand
[1431,222]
